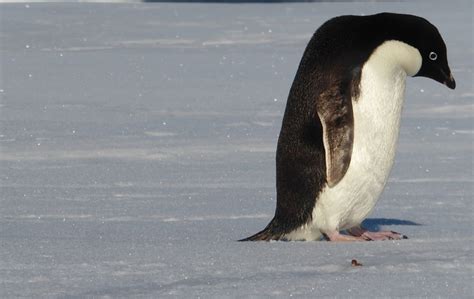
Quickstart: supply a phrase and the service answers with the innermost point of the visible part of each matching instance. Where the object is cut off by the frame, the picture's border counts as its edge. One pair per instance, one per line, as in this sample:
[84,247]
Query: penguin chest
[377,114]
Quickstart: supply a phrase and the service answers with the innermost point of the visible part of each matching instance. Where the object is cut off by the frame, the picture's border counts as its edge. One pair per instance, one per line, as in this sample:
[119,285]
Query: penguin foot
[335,236]
[375,236]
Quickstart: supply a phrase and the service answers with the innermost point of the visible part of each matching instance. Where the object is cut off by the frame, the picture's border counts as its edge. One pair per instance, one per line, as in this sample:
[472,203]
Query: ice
[138,144]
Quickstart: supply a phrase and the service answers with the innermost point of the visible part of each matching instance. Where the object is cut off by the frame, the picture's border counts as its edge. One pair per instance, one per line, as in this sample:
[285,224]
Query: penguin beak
[440,73]
[450,82]
[446,77]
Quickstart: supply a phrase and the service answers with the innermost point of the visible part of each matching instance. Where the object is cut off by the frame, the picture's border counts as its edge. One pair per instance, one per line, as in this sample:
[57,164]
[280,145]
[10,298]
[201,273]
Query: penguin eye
[433,56]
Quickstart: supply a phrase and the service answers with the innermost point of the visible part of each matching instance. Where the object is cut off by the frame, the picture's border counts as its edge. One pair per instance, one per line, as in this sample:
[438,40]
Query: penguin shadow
[375,224]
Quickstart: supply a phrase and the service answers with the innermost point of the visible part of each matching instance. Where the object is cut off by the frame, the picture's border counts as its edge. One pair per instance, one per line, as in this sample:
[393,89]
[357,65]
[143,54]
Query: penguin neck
[393,56]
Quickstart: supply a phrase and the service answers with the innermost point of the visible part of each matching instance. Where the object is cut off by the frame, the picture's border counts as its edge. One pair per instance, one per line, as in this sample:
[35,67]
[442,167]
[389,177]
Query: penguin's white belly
[377,114]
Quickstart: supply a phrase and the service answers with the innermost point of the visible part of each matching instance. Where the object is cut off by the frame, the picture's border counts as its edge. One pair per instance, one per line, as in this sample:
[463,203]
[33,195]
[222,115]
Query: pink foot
[375,236]
[335,236]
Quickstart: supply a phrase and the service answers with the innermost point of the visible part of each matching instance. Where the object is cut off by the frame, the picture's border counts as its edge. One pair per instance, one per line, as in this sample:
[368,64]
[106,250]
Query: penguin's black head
[426,38]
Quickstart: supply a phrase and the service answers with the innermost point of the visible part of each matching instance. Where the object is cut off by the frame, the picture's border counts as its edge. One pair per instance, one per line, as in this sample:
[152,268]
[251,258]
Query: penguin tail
[269,233]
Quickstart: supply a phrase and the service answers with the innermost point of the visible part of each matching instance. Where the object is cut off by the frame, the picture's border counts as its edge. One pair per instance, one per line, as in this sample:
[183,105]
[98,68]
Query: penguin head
[435,61]
[427,39]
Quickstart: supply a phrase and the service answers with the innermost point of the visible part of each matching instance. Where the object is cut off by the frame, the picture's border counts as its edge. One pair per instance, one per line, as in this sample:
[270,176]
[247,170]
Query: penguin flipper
[335,113]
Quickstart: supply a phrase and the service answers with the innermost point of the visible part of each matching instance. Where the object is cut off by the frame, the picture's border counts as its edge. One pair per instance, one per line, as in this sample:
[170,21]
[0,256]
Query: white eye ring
[433,56]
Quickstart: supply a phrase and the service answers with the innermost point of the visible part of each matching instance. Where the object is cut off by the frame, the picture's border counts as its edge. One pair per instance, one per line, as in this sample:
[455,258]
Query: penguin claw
[402,236]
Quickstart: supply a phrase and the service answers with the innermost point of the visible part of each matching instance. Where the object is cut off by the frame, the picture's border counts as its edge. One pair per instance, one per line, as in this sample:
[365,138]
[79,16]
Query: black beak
[439,73]
[447,77]
[450,81]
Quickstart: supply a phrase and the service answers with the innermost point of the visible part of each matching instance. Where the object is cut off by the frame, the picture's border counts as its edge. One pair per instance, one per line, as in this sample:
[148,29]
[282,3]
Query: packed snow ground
[138,144]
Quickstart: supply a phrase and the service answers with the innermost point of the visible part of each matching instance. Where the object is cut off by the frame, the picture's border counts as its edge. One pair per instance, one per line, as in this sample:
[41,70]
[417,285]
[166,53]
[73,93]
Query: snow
[138,144]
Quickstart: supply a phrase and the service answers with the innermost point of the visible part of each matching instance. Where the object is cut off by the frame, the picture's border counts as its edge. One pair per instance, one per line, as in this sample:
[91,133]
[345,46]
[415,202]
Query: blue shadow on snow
[374,224]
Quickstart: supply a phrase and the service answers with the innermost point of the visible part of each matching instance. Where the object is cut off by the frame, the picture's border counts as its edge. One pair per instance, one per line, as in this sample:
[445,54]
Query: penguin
[341,123]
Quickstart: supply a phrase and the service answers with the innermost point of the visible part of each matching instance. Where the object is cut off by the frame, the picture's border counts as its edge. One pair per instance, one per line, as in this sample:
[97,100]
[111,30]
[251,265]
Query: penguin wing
[334,108]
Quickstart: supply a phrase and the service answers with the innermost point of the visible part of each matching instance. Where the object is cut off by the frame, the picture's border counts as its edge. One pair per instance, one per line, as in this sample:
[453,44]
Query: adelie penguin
[340,128]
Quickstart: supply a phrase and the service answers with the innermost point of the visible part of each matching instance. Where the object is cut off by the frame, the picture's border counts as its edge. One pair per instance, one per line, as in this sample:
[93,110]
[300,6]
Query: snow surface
[138,144]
